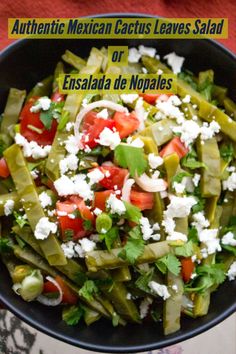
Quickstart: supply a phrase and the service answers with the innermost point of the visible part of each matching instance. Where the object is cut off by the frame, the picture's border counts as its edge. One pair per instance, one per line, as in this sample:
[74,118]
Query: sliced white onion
[149,184]
[51,302]
[108,163]
[125,193]
[16,287]
[102,103]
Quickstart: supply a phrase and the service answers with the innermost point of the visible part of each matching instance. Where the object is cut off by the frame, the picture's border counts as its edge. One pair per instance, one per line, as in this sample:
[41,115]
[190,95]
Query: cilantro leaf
[131,157]
[134,246]
[143,281]
[178,178]
[190,161]
[88,290]
[169,262]
[69,234]
[5,245]
[132,213]
[46,118]
[188,77]
[185,251]
[110,237]
[215,271]
[87,225]
[20,219]
[193,234]
[227,152]
[72,315]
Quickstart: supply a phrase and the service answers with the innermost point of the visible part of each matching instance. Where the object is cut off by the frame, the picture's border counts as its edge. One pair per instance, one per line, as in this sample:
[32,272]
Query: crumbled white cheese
[208,130]
[32,148]
[71,145]
[87,245]
[144,70]
[179,187]
[134,55]
[144,306]
[82,188]
[69,126]
[149,51]
[103,114]
[42,103]
[95,176]
[196,179]
[45,199]
[9,207]
[200,222]
[177,236]
[159,72]
[135,142]
[189,131]
[175,62]
[43,228]
[154,161]
[159,289]
[116,206]
[109,138]
[231,274]
[230,168]
[228,239]
[64,186]
[230,183]
[129,98]
[128,296]
[209,238]
[68,249]
[169,108]
[69,163]
[148,230]
[175,288]
[34,173]
[180,207]
[186,99]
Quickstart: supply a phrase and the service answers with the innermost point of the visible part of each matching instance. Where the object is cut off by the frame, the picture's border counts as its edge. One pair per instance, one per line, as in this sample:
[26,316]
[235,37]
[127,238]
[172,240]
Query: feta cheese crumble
[149,51]
[109,138]
[71,145]
[103,114]
[208,130]
[159,289]
[129,98]
[154,161]
[196,179]
[42,103]
[231,274]
[116,205]
[45,199]
[144,306]
[169,108]
[186,99]
[134,55]
[148,230]
[230,182]
[69,163]
[136,142]
[209,238]
[175,62]
[32,148]
[95,176]
[228,239]
[189,131]
[9,207]
[180,207]
[43,228]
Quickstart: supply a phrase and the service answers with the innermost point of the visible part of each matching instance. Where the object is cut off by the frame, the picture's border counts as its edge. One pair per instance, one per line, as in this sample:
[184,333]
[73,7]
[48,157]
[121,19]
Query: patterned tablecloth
[18,338]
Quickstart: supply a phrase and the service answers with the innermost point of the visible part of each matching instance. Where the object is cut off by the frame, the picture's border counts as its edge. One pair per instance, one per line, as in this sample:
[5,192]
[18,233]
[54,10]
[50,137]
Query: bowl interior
[26,63]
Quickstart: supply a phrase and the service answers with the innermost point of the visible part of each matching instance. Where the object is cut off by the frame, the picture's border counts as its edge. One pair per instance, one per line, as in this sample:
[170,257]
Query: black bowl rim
[103,348]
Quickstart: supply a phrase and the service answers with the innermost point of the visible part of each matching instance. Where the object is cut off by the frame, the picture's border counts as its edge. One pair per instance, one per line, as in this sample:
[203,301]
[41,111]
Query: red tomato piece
[57,97]
[28,118]
[100,199]
[142,200]
[152,97]
[187,268]
[66,223]
[69,296]
[126,124]
[82,207]
[175,145]
[92,127]
[115,176]
[4,170]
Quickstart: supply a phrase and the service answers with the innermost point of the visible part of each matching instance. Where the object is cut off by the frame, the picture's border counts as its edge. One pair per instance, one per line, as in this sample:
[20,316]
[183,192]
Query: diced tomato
[4,170]
[69,296]
[27,118]
[76,224]
[126,124]
[92,127]
[82,207]
[142,200]
[187,268]
[57,97]
[152,97]
[175,145]
[115,176]
[100,199]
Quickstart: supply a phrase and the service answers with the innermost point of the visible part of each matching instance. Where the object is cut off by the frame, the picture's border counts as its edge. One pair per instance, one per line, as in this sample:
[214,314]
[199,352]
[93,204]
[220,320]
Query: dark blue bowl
[22,65]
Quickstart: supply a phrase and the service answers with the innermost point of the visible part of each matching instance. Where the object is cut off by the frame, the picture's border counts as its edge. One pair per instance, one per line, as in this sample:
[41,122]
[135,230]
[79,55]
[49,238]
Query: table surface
[18,338]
